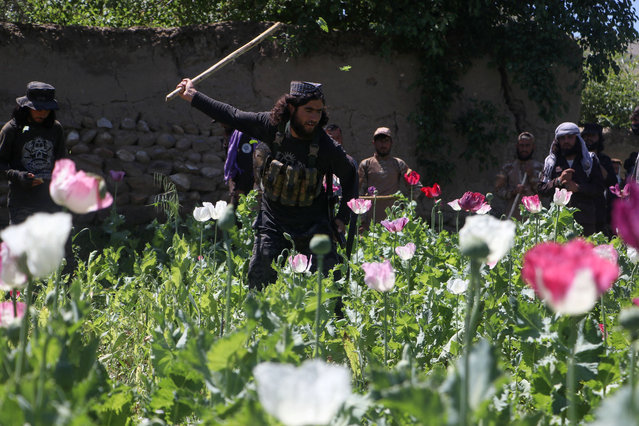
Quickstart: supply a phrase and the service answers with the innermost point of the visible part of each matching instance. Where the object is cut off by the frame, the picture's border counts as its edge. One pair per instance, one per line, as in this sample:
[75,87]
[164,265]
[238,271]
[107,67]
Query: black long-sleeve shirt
[33,148]
[331,159]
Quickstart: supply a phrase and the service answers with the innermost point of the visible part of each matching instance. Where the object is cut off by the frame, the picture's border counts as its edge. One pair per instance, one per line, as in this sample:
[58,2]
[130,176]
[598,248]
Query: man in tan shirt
[382,171]
[510,184]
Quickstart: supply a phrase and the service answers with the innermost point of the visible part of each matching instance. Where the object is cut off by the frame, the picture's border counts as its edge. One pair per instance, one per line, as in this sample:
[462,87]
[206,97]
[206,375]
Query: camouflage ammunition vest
[291,185]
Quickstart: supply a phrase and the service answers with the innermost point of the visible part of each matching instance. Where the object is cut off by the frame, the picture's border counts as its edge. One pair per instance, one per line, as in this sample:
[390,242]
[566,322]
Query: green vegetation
[610,101]
[527,42]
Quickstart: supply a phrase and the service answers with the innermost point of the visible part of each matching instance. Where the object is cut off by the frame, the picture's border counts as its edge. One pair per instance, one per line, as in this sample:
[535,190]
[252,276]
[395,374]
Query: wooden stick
[516,200]
[230,57]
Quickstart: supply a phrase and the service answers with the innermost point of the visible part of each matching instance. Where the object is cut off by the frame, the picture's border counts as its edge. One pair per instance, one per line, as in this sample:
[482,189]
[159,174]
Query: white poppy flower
[406,252]
[497,235]
[218,211]
[202,214]
[307,395]
[561,197]
[633,255]
[10,274]
[457,285]
[41,238]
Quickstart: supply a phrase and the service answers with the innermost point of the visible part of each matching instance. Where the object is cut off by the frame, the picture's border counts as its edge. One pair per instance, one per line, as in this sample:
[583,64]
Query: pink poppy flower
[379,275]
[636,301]
[454,205]
[7,314]
[570,277]
[78,191]
[299,263]
[412,177]
[471,201]
[625,216]
[406,252]
[532,203]
[395,225]
[359,205]
[483,209]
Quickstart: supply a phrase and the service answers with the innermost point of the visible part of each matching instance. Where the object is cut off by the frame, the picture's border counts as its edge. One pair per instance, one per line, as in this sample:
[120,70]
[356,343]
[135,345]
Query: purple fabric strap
[230,166]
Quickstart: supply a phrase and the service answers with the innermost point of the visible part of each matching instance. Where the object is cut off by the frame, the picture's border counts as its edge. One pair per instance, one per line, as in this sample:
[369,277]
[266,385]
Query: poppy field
[495,322]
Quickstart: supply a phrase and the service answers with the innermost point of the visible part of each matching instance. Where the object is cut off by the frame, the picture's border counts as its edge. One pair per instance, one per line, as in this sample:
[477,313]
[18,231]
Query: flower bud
[320,244]
[227,219]
[629,319]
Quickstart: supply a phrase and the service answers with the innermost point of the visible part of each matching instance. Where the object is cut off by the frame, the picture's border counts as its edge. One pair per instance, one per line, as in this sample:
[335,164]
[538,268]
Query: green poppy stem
[432,217]
[229,276]
[22,353]
[385,329]
[472,313]
[320,265]
[457,223]
[214,246]
[557,221]
[570,378]
[633,363]
[15,303]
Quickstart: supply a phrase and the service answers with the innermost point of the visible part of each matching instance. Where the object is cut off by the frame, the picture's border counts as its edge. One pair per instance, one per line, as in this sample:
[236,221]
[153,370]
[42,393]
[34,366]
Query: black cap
[39,96]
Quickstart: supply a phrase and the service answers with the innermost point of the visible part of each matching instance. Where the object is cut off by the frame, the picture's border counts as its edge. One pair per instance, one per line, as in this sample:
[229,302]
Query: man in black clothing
[569,165]
[593,136]
[30,144]
[294,156]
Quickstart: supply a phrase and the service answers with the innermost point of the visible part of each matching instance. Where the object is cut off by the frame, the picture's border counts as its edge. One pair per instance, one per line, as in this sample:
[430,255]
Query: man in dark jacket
[30,144]
[569,165]
[292,160]
[593,136]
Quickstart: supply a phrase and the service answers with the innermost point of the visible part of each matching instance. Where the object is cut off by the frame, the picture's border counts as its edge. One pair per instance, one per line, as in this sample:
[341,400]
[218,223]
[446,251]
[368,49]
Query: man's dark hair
[597,129]
[281,114]
[21,115]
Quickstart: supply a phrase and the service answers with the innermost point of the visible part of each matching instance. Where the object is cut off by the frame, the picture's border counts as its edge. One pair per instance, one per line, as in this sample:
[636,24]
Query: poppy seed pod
[227,220]
[320,244]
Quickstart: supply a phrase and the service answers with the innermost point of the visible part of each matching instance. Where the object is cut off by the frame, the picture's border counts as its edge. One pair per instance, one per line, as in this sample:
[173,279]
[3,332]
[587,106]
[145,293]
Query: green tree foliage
[526,41]
[610,101]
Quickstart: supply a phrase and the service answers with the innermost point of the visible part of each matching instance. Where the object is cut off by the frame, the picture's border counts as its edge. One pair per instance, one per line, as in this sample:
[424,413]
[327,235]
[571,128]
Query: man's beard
[526,157]
[576,149]
[299,128]
[382,154]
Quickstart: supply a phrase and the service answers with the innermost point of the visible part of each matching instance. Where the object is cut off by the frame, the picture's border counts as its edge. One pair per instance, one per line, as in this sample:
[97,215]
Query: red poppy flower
[412,177]
[432,191]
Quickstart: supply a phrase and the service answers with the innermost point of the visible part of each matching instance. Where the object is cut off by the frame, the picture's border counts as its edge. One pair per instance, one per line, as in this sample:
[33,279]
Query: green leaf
[322,24]
[223,350]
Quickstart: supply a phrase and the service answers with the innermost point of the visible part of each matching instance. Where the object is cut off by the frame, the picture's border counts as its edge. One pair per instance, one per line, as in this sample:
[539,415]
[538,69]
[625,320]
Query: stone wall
[111,85]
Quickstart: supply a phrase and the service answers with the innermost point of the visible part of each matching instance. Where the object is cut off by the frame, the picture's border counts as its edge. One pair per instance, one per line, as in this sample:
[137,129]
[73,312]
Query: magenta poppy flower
[395,225]
[379,275]
[636,301]
[116,175]
[412,177]
[621,193]
[532,203]
[359,205]
[432,191]
[570,277]
[78,191]
[471,201]
[625,216]
[371,190]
